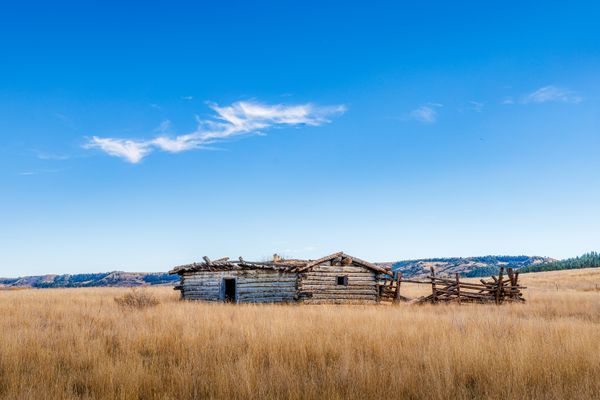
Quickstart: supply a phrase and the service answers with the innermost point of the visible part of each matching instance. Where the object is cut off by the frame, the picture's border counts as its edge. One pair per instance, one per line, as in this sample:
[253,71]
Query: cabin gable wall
[326,283]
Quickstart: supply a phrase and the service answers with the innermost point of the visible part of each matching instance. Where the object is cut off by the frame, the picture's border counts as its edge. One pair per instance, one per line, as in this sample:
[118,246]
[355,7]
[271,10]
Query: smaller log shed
[336,278]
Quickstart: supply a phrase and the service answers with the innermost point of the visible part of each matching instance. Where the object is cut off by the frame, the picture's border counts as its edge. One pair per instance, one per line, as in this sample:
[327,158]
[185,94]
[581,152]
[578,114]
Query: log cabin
[335,279]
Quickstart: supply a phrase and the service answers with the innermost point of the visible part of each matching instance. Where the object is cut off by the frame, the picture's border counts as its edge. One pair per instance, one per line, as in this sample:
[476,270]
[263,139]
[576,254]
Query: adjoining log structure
[446,290]
[336,278]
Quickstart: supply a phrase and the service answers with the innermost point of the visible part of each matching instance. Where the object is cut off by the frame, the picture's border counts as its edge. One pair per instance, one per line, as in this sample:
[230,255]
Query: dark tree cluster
[588,260]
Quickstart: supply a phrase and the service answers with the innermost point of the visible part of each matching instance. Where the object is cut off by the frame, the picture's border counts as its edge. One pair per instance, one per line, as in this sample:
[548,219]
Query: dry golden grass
[78,343]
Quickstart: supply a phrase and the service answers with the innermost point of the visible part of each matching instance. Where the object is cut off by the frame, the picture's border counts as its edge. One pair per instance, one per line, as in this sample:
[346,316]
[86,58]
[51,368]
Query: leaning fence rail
[496,290]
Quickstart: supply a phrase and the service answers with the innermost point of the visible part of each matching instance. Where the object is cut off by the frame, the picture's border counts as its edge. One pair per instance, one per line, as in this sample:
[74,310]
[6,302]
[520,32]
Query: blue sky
[140,136]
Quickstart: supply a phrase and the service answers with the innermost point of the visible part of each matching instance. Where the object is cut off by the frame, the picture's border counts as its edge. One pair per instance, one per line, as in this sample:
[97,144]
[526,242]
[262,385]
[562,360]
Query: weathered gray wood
[343,296]
[240,279]
[312,275]
[216,278]
[201,283]
[268,300]
[252,278]
[328,279]
[205,283]
[201,288]
[329,284]
[341,268]
[341,288]
[458,287]
[433,287]
[397,297]
[261,292]
[303,287]
[265,296]
[201,293]
[200,297]
[339,301]
[498,292]
[267,284]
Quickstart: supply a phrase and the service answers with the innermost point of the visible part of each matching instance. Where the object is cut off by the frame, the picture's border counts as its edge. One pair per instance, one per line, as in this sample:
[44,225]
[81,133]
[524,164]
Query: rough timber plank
[251,278]
[198,297]
[268,278]
[341,289]
[242,297]
[339,301]
[202,281]
[204,289]
[334,284]
[340,268]
[242,281]
[260,292]
[267,285]
[368,292]
[200,293]
[320,296]
[333,280]
[201,284]
[269,300]
[312,275]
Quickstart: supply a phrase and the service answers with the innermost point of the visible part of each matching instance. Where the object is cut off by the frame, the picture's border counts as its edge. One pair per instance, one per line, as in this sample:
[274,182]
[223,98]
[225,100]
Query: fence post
[511,279]
[398,281]
[433,288]
[458,287]
[500,287]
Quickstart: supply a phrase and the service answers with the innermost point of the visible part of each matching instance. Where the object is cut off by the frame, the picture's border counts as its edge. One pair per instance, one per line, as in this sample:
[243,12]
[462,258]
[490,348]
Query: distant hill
[467,267]
[115,278]
[588,260]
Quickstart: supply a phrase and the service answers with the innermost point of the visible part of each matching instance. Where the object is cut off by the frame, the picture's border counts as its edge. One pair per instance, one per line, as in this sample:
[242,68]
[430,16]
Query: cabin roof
[289,265]
[343,256]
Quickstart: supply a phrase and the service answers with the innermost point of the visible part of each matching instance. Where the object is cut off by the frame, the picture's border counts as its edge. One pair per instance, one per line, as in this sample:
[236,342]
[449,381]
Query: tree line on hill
[588,260]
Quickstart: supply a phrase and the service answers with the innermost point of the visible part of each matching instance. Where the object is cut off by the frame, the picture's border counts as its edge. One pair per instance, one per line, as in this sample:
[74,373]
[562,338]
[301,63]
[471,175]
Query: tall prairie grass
[79,343]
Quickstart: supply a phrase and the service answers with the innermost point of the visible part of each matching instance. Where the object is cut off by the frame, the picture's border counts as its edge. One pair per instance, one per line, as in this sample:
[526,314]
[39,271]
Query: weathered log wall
[252,286]
[319,285]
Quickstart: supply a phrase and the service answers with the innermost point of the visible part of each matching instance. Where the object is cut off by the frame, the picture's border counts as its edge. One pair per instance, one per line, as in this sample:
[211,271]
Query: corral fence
[498,290]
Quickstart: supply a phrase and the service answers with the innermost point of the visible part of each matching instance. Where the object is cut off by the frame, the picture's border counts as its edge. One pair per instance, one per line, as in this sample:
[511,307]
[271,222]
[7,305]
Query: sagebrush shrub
[137,298]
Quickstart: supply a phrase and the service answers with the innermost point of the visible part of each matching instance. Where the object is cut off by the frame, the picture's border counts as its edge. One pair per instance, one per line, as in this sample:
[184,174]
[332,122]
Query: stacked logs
[389,288]
[498,290]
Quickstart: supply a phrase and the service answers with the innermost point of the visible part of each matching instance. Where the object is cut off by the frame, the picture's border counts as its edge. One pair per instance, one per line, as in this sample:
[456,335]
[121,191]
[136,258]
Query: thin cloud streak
[552,93]
[238,119]
[425,113]
[39,171]
[476,106]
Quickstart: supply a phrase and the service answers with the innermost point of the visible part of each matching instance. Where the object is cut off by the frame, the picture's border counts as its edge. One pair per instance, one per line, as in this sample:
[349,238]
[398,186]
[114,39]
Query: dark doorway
[229,284]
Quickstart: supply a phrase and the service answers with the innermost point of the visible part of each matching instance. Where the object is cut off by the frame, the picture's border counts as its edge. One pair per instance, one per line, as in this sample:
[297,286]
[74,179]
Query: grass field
[78,343]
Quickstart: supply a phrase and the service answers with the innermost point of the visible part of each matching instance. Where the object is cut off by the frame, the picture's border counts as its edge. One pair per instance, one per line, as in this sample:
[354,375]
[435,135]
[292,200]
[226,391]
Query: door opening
[230,289]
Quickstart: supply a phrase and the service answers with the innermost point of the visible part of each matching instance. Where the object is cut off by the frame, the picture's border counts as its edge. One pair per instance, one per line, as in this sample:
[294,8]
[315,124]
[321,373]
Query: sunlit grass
[79,343]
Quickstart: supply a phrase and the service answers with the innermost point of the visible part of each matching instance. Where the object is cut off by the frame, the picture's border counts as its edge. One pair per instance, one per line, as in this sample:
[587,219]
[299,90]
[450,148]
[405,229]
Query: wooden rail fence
[496,290]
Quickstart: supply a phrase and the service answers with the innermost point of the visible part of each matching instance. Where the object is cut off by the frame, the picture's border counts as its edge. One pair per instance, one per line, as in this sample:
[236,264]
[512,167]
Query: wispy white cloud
[39,171]
[188,98]
[552,94]
[426,113]
[476,106]
[238,119]
[132,151]
[42,155]
[65,120]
